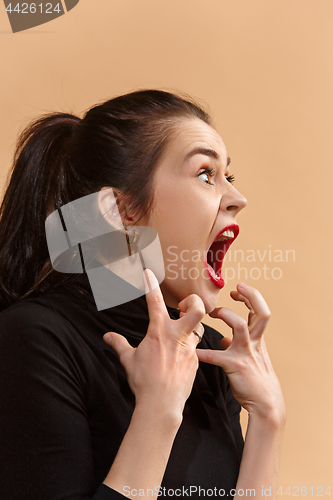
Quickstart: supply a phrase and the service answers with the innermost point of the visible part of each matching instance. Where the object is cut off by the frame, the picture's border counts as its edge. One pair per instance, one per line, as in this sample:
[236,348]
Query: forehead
[192,135]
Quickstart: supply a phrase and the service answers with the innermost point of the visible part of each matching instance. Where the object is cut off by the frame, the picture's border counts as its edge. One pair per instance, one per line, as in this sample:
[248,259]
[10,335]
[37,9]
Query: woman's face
[194,203]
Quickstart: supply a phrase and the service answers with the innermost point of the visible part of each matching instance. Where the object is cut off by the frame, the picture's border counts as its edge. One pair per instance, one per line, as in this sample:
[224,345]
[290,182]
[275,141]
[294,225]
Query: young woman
[87,414]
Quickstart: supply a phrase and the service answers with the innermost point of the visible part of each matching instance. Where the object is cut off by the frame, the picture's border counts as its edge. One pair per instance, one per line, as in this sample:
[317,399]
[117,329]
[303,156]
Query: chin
[210,299]
[208,296]
[210,306]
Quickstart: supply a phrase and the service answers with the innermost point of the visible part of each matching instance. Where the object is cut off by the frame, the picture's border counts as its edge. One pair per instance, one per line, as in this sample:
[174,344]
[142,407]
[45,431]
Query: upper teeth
[226,234]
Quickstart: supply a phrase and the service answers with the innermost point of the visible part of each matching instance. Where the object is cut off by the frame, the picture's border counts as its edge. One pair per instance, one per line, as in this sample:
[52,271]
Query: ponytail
[41,181]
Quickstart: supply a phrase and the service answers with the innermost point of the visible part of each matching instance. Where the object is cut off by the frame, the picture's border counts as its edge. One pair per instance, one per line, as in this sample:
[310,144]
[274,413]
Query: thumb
[225,343]
[210,356]
[118,343]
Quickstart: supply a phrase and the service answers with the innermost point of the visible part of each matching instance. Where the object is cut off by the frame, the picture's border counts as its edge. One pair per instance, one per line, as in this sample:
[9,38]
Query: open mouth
[216,252]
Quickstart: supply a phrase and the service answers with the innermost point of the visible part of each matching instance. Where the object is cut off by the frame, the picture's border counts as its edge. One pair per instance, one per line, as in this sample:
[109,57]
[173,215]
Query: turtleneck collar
[130,318]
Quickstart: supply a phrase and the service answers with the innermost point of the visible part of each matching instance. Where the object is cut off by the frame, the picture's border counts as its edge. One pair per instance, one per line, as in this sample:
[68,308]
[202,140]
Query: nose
[233,201]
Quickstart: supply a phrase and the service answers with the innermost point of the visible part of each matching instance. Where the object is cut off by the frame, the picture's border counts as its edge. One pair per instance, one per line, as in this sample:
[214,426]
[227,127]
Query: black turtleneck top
[65,404]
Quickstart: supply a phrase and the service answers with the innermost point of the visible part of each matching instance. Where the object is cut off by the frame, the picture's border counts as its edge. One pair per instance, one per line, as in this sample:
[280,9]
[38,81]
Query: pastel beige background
[265,68]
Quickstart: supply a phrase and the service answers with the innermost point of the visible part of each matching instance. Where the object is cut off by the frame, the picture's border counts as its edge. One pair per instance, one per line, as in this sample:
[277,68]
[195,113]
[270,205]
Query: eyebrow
[205,151]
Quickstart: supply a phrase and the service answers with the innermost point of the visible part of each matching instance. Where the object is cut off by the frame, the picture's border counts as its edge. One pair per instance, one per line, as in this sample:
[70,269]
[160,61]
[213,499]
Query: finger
[254,297]
[235,295]
[210,356]
[225,343]
[199,329]
[260,308]
[240,298]
[237,323]
[118,343]
[194,310]
[155,301]
[198,332]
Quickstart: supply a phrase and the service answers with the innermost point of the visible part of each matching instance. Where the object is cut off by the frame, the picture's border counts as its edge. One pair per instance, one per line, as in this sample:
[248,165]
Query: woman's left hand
[245,359]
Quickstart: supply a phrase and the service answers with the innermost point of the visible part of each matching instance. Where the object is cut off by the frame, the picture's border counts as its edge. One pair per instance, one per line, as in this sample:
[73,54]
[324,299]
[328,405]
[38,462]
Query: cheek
[189,204]
[182,222]
[183,216]
[169,208]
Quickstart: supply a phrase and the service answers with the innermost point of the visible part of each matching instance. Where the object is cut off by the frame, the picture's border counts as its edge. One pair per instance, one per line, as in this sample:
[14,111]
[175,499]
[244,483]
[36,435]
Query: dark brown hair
[60,158]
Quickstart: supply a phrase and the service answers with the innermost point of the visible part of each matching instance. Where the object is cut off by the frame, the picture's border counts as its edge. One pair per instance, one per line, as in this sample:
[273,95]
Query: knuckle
[256,293]
[154,333]
[197,304]
[158,328]
[241,365]
[198,315]
[156,300]
[240,324]
[266,314]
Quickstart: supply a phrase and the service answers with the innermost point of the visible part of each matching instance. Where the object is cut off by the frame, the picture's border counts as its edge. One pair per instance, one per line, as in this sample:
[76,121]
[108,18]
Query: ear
[111,204]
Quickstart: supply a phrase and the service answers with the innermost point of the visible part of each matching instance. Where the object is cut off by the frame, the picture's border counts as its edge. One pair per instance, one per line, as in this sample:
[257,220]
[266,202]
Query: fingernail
[107,338]
[150,280]
[242,285]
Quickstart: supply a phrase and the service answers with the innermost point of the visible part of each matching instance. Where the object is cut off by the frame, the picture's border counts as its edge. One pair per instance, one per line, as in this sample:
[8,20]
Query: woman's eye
[206,175]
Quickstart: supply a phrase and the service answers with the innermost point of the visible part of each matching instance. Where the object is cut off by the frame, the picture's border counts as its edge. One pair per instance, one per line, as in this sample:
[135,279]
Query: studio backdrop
[264,69]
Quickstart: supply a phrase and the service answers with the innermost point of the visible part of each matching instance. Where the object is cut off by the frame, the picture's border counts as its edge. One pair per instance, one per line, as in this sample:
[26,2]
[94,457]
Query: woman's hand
[245,359]
[160,372]
[162,369]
